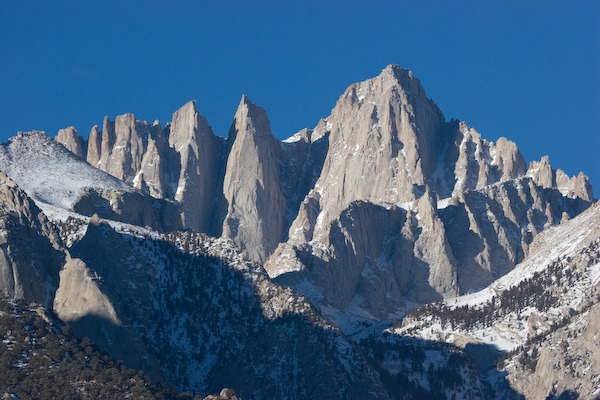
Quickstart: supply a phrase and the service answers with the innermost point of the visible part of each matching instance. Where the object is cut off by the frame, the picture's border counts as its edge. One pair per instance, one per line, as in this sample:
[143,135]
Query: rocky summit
[341,262]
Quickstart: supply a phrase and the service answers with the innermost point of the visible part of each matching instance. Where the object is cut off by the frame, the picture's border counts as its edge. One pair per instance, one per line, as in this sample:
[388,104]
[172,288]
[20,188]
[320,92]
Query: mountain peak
[251,185]
[190,106]
[187,125]
[250,119]
[245,100]
[404,78]
[396,71]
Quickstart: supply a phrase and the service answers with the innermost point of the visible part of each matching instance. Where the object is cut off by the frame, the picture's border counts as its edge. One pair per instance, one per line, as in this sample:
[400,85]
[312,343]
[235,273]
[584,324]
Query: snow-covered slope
[49,173]
[552,244]
[537,316]
[562,270]
[57,180]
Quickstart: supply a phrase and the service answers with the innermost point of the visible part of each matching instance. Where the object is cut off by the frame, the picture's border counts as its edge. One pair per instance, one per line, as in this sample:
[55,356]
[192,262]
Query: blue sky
[526,70]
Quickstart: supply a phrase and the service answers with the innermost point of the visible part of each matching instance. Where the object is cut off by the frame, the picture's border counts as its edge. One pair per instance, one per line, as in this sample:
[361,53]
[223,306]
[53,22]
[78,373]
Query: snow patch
[51,174]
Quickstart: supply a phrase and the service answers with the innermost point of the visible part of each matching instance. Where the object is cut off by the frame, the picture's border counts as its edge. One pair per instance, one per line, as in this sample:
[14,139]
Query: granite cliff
[468,208]
[273,266]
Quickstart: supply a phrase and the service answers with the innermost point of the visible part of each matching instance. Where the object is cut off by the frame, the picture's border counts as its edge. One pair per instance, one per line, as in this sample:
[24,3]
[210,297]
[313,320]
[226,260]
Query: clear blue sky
[526,70]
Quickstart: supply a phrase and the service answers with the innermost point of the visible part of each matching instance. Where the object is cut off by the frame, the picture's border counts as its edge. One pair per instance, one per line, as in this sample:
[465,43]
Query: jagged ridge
[385,144]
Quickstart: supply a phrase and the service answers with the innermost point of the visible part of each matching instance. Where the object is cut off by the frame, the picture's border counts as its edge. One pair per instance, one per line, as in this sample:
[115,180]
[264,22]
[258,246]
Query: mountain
[58,180]
[313,208]
[410,207]
[194,313]
[175,306]
[252,184]
[189,310]
[543,314]
[276,267]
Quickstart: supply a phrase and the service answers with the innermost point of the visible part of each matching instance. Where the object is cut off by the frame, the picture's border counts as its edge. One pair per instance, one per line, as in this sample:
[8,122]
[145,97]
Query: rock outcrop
[182,163]
[151,176]
[565,365]
[30,247]
[94,150]
[72,141]
[197,169]
[124,142]
[91,295]
[55,177]
[575,187]
[129,207]
[252,189]
[80,296]
[472,162]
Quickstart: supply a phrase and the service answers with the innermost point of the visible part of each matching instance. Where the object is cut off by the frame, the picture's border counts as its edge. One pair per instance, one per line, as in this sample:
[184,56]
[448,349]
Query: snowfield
[51,174]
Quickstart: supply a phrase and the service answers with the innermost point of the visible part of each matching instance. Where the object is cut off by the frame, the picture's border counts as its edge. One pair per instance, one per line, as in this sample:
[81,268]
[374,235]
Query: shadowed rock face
[92,293]
[195,164]
[152,304]
[129,207]
[30,248]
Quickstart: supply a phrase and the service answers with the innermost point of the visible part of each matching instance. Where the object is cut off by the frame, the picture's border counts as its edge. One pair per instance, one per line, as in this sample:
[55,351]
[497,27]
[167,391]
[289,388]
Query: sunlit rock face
[383,201]
[467,208]
[252,185]
[72,141]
